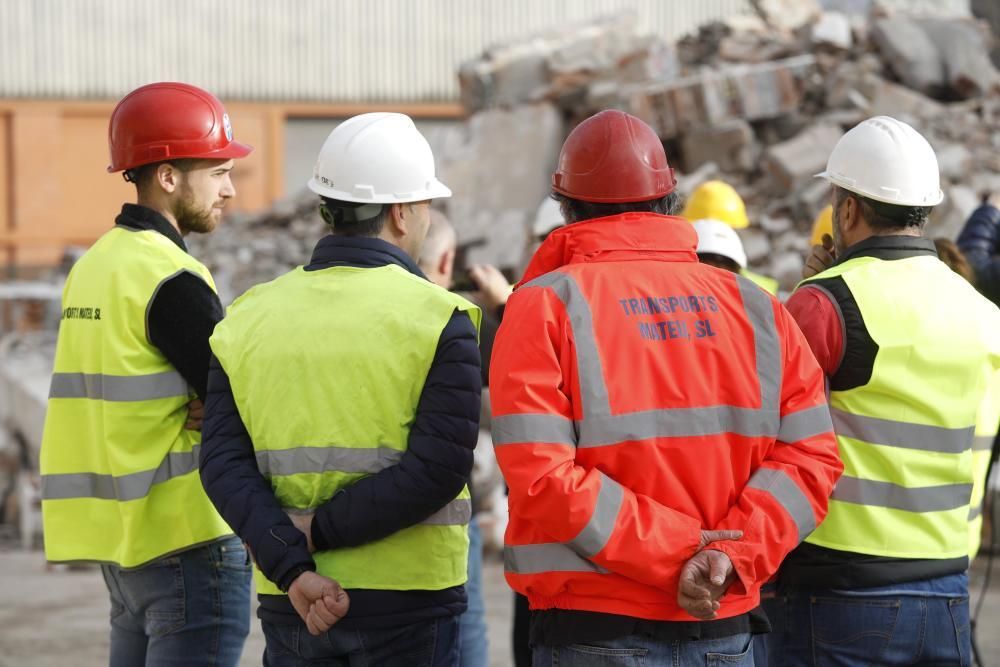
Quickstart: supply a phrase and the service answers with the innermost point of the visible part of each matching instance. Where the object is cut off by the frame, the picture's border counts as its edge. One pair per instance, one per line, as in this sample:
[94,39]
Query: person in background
[717,200]
[949,253]
[119,458]
[720,246]
[437,261]
[979,241]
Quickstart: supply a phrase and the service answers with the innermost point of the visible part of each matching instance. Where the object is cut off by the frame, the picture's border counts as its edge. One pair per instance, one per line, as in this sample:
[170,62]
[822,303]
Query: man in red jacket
[661,423]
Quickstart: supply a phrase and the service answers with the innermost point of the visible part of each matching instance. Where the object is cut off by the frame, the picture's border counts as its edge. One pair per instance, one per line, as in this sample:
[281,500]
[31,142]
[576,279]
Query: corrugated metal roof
[308,50]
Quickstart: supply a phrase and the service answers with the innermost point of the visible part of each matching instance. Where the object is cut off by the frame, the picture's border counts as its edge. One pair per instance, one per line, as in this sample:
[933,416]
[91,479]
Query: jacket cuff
[291,574]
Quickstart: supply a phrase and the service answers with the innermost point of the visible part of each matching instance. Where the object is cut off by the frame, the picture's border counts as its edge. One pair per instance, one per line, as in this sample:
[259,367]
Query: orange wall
[55,190]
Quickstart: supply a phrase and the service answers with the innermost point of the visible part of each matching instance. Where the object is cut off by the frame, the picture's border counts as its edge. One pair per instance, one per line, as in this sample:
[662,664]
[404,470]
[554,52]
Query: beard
[194,218]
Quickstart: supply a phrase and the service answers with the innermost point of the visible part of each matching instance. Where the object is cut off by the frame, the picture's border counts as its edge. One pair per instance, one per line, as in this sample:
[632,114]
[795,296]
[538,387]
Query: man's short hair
[143,175]
[882,216]
[440,237]
[575,210]
[348,218]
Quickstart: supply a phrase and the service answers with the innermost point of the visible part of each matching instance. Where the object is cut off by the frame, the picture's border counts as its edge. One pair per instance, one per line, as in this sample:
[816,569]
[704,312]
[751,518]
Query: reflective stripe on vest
[119,480]
[906,487]
[599,427]
[319,460]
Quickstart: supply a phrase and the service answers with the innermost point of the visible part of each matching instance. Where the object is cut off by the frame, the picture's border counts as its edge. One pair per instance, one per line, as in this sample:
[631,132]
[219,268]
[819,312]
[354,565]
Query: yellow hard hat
[823,224]
[716,200]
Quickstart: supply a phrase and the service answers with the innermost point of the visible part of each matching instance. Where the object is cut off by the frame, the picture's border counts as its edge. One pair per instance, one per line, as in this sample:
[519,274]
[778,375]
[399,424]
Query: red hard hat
[167,121]
[613,157]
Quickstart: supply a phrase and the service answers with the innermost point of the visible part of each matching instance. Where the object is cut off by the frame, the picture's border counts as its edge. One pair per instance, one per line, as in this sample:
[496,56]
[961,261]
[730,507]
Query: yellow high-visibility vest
[906,435]
[327,368]
[119,471]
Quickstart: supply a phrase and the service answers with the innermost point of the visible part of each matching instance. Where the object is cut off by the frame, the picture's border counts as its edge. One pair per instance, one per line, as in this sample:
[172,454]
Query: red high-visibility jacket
[639,397]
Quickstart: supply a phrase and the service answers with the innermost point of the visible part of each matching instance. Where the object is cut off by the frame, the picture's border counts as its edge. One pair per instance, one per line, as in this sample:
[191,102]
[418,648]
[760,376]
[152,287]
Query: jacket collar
[360,252]
[624,237]
[142,218]
[889,248]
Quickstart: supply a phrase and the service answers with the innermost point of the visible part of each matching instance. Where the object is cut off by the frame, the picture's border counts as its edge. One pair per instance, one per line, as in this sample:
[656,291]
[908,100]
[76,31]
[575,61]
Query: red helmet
[165,121]
[612,158]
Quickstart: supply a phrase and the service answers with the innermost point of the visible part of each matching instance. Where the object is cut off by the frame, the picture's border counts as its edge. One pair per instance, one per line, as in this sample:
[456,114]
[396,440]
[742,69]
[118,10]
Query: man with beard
[909,350]
[119,458]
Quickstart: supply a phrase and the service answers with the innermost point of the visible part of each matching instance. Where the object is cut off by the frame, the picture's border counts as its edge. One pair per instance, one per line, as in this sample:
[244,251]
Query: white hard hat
[718,238]
[886,160]
[377,158]
[548,218]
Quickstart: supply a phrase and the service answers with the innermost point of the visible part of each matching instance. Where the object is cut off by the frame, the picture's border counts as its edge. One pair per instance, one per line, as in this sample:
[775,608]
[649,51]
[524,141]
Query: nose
[228,189]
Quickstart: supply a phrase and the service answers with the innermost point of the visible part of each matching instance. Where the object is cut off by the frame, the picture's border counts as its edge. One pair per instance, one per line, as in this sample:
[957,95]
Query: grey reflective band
[300,460]
[808,423]
[982,443]
[593,390]
[902,434]
[976,511]
[759,308]
[118,388]
[550,429]
[595,535]
[456,513]
[886,494]
[548,557]
[122,488]
[677,422]
[788,494]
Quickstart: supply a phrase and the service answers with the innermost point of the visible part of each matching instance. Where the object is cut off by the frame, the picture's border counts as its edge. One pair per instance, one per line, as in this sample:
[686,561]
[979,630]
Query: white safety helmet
[377,158]
[718,238]
[548,218]
[886,160]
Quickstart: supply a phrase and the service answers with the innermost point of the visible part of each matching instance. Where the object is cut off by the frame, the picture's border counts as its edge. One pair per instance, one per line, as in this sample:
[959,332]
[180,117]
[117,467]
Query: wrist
[286,581]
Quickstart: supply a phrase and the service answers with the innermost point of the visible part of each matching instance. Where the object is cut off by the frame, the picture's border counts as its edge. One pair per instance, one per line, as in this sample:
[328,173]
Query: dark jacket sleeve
[980,242]
[182,316]
[242,495]
[438,459]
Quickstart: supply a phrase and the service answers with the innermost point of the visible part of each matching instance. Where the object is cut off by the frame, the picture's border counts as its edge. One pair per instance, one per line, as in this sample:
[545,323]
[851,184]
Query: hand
[709,536]
[494,290]
[820,258]
[319,600]
[196,413]
[704,580]
[304,523]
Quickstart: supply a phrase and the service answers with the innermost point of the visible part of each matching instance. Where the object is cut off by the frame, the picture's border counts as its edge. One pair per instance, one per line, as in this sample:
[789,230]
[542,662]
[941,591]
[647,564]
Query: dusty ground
[51,618]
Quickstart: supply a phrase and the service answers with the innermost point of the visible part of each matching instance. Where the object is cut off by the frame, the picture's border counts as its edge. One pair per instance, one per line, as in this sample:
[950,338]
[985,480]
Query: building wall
[281,50]
[55,190]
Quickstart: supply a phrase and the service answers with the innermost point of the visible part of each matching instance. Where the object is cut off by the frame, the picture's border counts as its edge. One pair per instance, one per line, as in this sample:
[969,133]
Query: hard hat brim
[851,187]
[434,190]
[233,151]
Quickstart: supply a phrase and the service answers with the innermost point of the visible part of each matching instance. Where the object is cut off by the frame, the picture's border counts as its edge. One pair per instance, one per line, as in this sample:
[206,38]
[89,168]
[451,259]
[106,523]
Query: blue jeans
[734,651]
[192,608]
[474,647]
[428,644]
[919,622]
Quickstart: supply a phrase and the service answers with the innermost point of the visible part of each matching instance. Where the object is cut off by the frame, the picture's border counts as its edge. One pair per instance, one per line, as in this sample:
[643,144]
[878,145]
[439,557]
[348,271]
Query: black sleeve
[181,319]
[980,242]
[437,461]
[242,495]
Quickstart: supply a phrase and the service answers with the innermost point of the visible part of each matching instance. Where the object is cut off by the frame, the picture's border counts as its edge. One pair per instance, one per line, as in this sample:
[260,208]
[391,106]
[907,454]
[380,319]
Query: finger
[324,613]
[311,625]
[719,570]
[718,535]
[338,605]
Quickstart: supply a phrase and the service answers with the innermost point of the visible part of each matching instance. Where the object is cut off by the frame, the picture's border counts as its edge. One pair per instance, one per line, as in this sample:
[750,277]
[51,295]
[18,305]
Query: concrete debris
[787,14]
[792,162]
[833,29]
[758,100]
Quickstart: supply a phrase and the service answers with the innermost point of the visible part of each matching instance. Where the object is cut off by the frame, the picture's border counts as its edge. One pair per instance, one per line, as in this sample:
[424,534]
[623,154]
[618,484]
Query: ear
[397,218]
[850,215]
[447,262]
[168,177]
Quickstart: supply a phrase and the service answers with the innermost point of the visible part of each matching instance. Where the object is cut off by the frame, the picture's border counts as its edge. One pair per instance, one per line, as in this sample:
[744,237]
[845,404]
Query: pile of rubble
[758,100]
